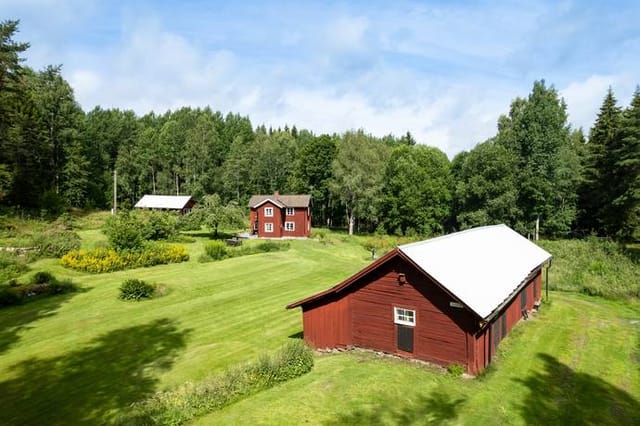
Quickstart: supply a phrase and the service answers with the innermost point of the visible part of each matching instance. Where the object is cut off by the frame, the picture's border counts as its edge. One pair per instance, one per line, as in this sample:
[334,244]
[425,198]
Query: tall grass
[593,266]
[191,400]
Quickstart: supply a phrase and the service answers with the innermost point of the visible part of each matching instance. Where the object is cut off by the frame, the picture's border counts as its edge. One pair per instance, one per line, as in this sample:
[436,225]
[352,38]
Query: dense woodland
[54,155]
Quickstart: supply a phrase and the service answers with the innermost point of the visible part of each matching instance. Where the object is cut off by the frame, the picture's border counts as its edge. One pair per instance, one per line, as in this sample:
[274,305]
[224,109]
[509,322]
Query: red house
[278,216]
[448,300]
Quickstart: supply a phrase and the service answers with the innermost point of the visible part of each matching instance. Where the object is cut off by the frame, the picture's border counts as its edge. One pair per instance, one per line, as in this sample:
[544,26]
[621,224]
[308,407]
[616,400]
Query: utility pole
[537,228]
[115,192]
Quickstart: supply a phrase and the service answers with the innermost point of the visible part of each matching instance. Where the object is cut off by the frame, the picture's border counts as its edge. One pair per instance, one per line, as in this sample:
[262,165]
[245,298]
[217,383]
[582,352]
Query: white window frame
[291,225]
[404,316]
[268,212]
[268,227]
[291,211]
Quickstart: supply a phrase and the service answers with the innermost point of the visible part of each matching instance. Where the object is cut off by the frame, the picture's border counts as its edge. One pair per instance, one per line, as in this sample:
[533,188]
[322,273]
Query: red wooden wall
[485,339]
[362,315]
[301,218]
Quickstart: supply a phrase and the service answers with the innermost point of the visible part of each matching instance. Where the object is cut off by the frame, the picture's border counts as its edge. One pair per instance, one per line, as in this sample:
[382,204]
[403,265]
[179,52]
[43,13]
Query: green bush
[56,242]
[160,225]
[216,250]
[456,369]
[107,260]
[189,401]
[125,231]
[269,246]
[41,283]
[11,266]
[42,277]
[134,289]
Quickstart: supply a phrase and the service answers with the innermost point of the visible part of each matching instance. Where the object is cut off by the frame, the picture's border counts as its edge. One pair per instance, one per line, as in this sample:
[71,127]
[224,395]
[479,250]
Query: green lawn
[80,358]
[575,363]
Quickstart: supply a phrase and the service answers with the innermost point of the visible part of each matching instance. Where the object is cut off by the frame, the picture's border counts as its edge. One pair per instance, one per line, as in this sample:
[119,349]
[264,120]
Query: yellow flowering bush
[107,260]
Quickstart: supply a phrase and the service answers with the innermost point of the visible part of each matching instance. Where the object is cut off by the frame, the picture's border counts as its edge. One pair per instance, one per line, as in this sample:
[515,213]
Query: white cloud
[347,32]
[585,97]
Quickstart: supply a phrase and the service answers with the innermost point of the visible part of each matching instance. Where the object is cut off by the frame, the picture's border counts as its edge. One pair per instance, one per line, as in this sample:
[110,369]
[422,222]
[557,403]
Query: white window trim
[291,211]
[268,227]
[293,226]
[400,315]
[268,212]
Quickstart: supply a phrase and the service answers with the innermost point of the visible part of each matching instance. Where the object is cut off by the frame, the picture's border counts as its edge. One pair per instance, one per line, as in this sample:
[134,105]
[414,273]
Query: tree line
[536,169]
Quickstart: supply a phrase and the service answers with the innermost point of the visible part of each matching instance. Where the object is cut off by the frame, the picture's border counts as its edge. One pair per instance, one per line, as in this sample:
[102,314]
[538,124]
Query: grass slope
[79,358]
[575,363]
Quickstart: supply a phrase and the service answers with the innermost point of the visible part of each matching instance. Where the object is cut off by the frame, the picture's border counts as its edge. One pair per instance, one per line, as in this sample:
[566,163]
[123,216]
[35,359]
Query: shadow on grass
[559,395]
[431,409]
[15,320]
[298,335]
[90,385]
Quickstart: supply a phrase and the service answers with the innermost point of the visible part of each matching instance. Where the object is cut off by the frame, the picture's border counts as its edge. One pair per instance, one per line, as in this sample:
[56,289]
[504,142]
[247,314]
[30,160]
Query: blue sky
[442,70]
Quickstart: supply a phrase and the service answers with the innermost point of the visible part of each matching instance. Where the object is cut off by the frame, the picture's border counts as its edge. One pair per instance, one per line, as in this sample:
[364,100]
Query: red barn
[278,216]
[448,300]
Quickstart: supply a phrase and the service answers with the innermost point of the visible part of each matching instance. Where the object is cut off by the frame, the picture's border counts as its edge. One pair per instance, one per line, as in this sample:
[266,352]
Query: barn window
[268,212]
[290,211]
[268,227]
[404,316]
[290,226]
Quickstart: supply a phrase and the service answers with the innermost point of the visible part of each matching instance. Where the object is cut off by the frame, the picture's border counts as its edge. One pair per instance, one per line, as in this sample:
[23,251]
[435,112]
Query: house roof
[302,200]
[173,202]
[481,267]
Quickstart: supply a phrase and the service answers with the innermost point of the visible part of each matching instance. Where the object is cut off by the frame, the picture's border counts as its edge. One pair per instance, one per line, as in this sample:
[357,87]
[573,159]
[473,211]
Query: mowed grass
[81,358]
[577,362]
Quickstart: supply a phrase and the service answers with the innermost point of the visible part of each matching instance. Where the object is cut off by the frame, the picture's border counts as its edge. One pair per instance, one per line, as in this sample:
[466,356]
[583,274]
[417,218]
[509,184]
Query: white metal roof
[480,266]
[174,202]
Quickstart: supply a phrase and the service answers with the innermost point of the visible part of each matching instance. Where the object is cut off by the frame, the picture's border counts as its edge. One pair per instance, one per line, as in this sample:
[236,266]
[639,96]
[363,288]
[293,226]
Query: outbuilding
[447,300]
[177,203]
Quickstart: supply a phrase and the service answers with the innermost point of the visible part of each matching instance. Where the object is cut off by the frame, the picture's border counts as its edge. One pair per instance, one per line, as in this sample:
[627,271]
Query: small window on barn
[268,227]
[268,212]
[290,211]
[290,226]
[404,316]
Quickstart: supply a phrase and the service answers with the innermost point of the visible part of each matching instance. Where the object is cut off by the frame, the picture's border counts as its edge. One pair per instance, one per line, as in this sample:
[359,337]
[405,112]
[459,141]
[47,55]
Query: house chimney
[276,194]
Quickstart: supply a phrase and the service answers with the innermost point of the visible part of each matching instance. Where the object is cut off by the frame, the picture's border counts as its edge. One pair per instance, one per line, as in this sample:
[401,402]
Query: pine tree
[627,174]
[596,193]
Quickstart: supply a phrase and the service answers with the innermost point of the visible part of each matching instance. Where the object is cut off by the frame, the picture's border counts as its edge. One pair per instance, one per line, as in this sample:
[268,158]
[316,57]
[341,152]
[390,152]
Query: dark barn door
[405,338]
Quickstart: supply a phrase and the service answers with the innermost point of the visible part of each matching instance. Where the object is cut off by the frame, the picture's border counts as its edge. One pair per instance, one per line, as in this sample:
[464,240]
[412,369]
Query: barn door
[405,338]
[405,321]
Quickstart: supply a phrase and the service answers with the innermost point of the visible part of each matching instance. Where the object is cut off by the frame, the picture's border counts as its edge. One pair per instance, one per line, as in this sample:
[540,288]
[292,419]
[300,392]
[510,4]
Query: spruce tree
[596,193]
[626,205]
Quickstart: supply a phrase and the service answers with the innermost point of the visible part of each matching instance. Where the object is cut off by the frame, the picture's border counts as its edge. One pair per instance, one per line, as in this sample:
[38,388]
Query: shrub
[268,246]
[134,289]
[456,369]
[56,242]
[11,266]
[107,260]
[216,250]
[188,222]
[160,225]
[189,401]
[42,277]
[41,283]
[125,231]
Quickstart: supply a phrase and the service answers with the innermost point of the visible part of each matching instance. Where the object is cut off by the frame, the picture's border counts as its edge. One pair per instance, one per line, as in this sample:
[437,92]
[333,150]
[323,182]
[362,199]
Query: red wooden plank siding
[513,312]
[328,325]
[438,334]
[301,220]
